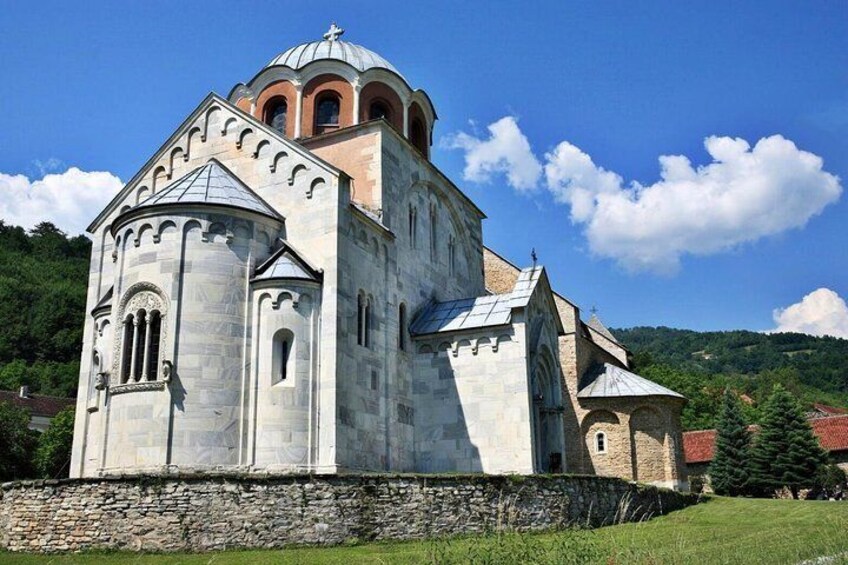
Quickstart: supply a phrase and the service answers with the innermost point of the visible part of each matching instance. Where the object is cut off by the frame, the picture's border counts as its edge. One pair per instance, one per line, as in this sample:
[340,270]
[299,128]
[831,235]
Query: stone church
[289,285]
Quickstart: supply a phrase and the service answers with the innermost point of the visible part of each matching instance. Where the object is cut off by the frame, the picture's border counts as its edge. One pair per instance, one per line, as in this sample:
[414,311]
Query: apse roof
[214,184]
[610,381]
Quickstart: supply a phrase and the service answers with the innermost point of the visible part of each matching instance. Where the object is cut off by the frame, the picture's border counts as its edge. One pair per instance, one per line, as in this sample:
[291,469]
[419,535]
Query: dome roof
[332,48]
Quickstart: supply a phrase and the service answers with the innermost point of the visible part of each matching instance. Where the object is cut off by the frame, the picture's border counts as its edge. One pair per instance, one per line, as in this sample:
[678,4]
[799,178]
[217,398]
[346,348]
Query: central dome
[333,48]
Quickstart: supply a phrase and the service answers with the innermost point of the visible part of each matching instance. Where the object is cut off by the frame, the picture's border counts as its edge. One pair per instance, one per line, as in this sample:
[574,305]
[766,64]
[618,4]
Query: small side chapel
[289,285]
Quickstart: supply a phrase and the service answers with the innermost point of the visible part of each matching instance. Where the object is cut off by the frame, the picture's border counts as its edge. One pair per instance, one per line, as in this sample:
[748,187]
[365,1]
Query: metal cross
[333,33]
[533,257]
[593,310]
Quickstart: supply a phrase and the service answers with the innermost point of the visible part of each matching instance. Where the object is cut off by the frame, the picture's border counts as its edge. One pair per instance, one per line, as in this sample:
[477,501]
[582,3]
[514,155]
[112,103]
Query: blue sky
[99,87]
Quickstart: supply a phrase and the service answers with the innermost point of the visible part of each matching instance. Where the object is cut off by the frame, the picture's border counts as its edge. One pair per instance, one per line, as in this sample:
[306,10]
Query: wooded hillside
[701,364]
[43,277]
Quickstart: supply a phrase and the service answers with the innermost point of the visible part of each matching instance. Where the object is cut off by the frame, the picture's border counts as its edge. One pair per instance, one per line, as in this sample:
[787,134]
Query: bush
[53,455]
[17,442]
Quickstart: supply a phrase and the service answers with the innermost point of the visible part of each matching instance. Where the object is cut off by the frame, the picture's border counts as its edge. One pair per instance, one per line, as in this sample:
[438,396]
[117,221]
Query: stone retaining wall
[202,513]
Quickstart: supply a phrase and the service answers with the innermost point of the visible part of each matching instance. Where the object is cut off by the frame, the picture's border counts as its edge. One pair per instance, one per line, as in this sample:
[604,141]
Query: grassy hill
[701,364]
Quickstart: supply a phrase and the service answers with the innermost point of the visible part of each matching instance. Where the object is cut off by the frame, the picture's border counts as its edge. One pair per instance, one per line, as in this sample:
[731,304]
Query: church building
[289,285]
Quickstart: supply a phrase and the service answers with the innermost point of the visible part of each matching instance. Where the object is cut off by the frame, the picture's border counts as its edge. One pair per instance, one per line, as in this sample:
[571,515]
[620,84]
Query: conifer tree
[785,451]
[730,468]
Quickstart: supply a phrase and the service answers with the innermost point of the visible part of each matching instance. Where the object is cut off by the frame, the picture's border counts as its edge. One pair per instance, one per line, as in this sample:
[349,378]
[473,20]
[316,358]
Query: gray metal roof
[610,381]
[286,263]
[596,324]
[479,312]
[210,184]
[356,56]
[464,314]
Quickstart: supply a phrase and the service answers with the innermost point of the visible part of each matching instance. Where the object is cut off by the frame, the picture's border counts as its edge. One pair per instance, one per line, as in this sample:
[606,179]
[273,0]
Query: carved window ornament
[138,346]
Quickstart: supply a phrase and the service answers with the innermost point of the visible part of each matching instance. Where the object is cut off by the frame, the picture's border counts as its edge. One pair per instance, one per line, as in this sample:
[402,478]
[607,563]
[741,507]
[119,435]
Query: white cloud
[745,193]
[822,312]
[506,151]
[70,199]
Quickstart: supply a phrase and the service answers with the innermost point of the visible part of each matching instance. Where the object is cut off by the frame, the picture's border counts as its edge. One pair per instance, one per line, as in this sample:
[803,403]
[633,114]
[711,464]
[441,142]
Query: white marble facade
[251,305]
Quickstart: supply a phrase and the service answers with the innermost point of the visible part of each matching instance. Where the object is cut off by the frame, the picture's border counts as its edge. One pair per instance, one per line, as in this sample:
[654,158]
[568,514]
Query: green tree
[785,451]
[730,470]
[53,455]
[17,442]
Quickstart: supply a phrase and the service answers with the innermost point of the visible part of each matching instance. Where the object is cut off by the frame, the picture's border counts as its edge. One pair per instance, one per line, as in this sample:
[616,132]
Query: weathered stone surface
[206,513]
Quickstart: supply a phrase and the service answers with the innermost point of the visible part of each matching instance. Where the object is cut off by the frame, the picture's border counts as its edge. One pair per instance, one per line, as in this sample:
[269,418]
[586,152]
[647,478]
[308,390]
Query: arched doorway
[546,418]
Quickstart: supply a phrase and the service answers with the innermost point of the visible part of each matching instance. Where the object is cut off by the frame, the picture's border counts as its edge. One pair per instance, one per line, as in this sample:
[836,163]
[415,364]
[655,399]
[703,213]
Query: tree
[17,442]
[53,454]
[730,469]
[785,451]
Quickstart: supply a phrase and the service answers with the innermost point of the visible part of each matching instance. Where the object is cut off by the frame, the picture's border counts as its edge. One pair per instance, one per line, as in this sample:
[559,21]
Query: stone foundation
[203,513]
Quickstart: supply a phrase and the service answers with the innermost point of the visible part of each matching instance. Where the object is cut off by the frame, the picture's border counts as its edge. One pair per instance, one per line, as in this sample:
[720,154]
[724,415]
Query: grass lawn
[723,530]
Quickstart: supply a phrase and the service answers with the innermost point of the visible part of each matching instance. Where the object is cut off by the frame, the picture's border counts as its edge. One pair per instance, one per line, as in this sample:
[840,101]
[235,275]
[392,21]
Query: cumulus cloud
[70,199]
[743,194]
[822,312]
[506,151]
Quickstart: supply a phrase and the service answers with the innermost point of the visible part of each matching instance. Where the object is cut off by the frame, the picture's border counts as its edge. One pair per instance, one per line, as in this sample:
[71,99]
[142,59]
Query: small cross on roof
[333,33]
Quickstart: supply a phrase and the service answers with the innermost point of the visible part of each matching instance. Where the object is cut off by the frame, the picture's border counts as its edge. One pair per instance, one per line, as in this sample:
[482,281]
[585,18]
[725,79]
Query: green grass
[723,530]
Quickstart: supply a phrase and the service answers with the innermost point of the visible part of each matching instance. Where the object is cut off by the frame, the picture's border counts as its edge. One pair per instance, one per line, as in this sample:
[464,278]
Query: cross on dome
[333,33]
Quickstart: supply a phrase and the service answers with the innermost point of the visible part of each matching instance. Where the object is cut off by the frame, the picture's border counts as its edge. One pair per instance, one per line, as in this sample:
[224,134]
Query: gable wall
[306,192]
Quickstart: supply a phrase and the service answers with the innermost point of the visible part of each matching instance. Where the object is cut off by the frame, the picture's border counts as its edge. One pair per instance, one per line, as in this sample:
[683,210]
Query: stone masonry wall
[220,512]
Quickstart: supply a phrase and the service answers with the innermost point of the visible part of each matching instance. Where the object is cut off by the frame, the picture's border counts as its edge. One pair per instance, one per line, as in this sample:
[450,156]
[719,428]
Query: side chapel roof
[610,381]
[286,263]
[480,312]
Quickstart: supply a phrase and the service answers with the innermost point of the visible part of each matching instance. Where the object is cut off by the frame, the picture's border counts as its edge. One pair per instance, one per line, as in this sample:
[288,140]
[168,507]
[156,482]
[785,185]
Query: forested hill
[702,364]
[43,277]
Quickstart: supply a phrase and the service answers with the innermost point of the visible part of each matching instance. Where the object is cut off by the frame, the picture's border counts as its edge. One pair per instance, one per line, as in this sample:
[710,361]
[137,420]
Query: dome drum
[322,86]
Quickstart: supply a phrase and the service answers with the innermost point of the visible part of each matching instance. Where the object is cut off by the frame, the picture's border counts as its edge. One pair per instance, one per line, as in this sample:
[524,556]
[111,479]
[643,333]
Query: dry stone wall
[220,512]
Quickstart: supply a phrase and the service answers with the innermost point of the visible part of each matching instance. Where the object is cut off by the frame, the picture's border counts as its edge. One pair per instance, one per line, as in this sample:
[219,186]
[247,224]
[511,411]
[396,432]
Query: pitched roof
[213,184]
[596,324]
[106,301]
[610,381]
[832,433]
[829,410]
[286,263]
[37,404]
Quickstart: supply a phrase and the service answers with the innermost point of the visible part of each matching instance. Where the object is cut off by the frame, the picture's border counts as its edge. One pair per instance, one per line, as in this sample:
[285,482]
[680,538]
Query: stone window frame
[601,443]
[148,299]
[364,318]
[452,254]
[434,235]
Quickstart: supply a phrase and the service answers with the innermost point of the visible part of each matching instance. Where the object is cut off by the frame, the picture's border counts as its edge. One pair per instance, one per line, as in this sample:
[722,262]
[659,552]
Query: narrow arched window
[402,327]
[413,226]
[139,345]
[452,254]
[433,232]
[600,442]
[417,136]
[281,355]
[367,322]
[152,356]
[360,320]
[378,110]
[127,349]
[276,114]
[327,111]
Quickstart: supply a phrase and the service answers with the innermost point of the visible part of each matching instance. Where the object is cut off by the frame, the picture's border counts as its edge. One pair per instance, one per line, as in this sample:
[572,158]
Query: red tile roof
[37,404]
[698,447]
[831,410]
